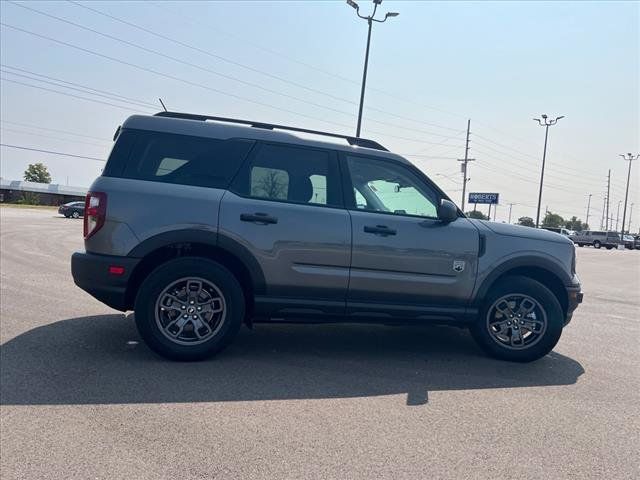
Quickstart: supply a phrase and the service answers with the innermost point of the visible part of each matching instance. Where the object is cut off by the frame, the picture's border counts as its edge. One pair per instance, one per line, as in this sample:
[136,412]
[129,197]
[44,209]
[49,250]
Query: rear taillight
[95,212]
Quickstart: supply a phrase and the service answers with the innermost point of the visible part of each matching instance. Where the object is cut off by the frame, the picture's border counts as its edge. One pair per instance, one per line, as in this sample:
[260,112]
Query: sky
[73,71]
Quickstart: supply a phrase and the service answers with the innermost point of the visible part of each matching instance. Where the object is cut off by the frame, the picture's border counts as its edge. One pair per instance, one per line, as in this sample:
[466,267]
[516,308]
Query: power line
[147,106]
[38,127]
[571,171]
[206,87]
[110,94]
[22,132]
[252,69]
[229,77]
[20,147]
[68,94]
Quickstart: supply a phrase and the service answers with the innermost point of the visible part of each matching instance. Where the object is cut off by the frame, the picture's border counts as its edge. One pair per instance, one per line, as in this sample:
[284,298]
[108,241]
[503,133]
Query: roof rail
[360,142]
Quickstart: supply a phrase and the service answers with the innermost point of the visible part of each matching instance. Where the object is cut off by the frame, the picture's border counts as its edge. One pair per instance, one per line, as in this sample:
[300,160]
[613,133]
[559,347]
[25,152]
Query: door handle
[379,230]
[258,217]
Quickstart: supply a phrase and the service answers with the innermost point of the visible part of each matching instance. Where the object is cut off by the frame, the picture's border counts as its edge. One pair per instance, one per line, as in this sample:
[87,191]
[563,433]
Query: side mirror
[447,211]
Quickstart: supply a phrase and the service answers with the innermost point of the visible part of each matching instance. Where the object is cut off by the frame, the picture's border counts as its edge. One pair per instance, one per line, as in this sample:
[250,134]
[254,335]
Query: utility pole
[608,190]
[618,216]
[495,210]
[544,123]
[510,207]
[588,207]
[630,217]
[604,204]
[466,160]
[629,158]
[370,19]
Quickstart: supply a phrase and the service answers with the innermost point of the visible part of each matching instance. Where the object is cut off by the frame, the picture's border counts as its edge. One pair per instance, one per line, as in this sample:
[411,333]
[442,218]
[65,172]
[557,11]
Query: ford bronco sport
[199,224]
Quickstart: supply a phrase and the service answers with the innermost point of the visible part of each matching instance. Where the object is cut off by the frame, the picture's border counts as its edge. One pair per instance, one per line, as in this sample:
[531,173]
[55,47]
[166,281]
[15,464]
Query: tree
[37,172]
[477,214]
[576,224]
[272,184]
[553,220]
[526,221]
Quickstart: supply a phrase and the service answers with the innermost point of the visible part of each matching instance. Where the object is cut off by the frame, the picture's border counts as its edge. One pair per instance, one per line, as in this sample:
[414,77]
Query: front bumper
[91,272]
[575,297]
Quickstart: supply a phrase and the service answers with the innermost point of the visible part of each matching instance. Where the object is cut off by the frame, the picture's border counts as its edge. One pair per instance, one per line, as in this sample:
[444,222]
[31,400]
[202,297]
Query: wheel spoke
[504,309]
[526,307]
[179,323]
[212,306]
[198,325]
[516,336]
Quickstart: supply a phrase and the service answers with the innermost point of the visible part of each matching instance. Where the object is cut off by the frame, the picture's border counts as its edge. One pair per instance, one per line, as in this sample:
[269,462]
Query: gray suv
[609,240]
[200,224]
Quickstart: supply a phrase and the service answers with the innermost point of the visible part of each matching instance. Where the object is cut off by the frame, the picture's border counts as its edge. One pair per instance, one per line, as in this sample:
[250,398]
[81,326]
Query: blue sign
[490,198]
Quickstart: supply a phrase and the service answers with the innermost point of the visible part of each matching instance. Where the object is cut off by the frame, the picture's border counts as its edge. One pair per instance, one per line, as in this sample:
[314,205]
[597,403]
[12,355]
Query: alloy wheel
[190,311]
[516,321]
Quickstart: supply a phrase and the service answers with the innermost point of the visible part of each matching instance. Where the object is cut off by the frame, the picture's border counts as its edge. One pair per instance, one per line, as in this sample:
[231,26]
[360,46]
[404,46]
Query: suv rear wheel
[521,320]
[597,244]
[189,308]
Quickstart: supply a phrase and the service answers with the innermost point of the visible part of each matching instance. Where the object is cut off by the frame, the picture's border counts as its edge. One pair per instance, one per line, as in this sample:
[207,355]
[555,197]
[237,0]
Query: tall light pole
[370,19]
[629,158]
[588,208]
[510,208]
[545,122]
[618,215]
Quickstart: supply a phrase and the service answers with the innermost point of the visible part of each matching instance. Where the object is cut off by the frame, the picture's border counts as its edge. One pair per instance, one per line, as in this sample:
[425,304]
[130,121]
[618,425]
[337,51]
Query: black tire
[597,244]
[581,244]
[547,301]
[172,271]
[609,247]
[75,215]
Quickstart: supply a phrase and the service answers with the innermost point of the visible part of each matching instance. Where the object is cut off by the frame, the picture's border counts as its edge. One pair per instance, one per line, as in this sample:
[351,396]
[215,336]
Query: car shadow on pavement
[101,360]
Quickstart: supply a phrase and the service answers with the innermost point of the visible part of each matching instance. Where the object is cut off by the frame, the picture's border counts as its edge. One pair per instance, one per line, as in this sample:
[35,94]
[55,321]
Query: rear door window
[291,174]
[185,159]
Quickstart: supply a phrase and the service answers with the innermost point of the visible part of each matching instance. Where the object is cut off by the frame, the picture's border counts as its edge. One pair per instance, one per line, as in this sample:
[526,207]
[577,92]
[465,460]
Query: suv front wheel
[189,308]
[521,320]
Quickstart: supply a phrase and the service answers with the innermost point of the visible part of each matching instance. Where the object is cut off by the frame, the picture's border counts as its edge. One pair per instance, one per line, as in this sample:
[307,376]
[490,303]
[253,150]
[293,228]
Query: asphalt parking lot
[82,398]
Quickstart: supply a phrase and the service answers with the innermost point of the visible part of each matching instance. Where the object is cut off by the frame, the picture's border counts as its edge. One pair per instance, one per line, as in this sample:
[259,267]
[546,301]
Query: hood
[523,232]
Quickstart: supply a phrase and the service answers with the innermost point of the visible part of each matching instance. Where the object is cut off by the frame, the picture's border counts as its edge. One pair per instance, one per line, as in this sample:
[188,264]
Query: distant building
[15,191]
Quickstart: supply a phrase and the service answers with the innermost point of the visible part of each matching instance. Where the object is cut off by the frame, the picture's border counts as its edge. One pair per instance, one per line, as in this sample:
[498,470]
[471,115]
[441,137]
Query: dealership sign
[490,198]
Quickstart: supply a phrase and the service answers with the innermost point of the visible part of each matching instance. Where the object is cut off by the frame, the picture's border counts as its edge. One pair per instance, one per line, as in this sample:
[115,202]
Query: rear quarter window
[178,159]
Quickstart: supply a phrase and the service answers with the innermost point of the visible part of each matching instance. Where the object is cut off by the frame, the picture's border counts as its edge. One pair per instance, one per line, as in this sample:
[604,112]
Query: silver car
[200,224]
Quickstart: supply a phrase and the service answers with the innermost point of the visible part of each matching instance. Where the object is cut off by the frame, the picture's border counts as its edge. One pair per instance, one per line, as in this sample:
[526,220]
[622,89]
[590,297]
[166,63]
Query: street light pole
[618,215]
[588,208]
[629,158]
[370,19]
[544,123]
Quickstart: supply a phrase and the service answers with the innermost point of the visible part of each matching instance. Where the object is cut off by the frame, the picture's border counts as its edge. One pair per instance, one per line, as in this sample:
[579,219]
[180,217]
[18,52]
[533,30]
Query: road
[83,398]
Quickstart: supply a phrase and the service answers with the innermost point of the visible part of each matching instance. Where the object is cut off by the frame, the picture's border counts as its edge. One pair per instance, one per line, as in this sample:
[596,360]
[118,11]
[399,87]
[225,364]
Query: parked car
[629,242]
[597,239]
[72,209]
[199,226]
[636,242]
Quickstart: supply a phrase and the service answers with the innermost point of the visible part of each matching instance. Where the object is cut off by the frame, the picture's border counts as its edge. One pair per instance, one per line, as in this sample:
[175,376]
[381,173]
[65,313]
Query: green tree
[576,224]
[552,220]
[476,214]
[526,221]
[37,172]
